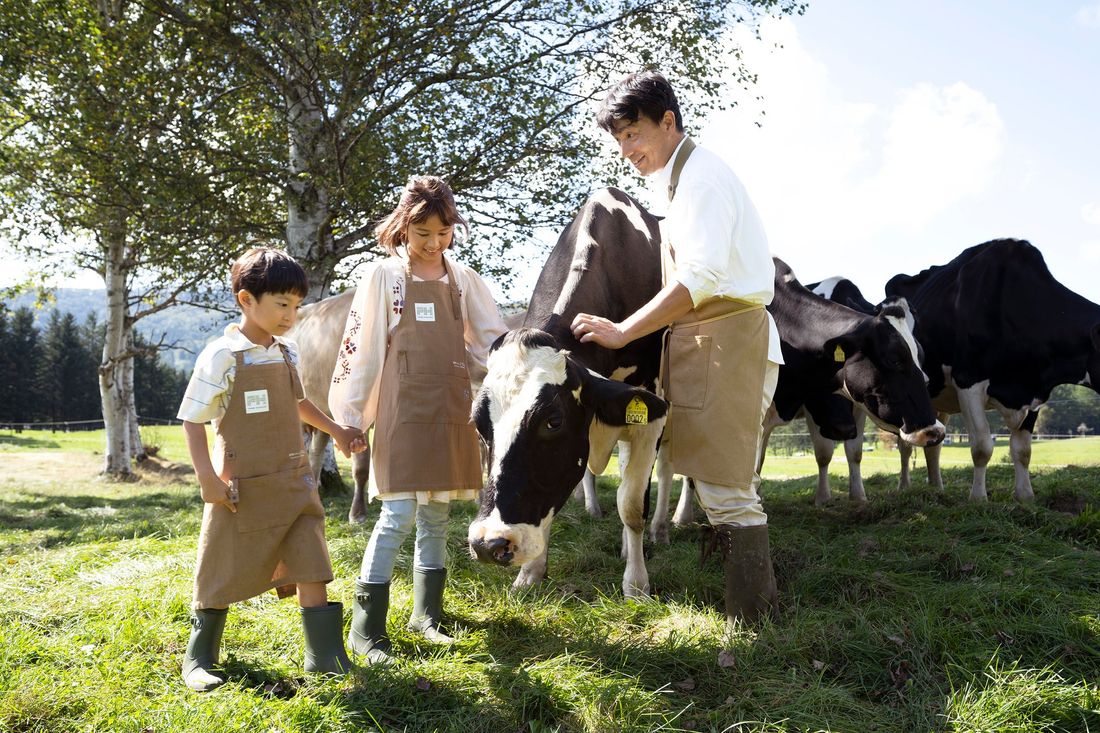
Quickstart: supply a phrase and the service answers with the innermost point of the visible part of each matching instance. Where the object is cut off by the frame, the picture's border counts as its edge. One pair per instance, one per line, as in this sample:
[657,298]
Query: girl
[418,324]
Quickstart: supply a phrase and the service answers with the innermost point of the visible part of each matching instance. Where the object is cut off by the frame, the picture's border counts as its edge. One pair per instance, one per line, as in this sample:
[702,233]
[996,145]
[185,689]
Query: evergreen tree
[68,371]
[6,367]
[158,388]
[25,352]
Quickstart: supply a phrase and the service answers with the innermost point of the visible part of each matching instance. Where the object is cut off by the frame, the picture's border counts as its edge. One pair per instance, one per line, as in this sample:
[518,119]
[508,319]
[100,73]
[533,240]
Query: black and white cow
[999,331]
[836,357]
[550,403]
[843,413]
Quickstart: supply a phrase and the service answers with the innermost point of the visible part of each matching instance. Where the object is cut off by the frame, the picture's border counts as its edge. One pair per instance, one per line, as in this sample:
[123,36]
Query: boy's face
[648,145]
[272,313]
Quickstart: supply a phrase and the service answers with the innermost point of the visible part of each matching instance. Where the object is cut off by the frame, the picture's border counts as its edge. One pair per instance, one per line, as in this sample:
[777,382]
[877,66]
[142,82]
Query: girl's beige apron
[423,437]
[712,373]
[276,538]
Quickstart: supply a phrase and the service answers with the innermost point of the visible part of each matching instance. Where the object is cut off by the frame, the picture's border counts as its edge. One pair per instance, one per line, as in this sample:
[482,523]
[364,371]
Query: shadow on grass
[29,442]
[52,520]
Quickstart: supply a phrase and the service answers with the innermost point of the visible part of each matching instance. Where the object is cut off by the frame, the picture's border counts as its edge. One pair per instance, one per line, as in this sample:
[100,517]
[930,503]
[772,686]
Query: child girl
[419,323]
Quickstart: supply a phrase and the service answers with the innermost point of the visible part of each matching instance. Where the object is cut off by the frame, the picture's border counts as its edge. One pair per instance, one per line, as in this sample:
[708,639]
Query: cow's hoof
[979,498]
[638,594]
[527,579]
[659,535]
[354,518]
[1025,496]
[594,511]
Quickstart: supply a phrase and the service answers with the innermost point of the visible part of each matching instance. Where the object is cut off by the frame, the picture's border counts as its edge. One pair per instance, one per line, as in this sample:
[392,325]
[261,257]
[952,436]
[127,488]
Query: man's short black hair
[645,93]
[268,270]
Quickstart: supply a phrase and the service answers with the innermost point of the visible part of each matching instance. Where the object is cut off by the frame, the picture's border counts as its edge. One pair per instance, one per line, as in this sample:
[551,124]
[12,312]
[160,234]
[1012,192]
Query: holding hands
[349,440]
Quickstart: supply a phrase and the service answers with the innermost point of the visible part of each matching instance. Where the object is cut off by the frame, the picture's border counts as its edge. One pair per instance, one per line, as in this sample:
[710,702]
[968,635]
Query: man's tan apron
[712,373]
[423,437]
[276,538]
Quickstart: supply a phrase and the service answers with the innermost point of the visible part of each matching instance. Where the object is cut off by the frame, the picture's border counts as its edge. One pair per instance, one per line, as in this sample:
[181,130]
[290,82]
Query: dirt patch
[50,466]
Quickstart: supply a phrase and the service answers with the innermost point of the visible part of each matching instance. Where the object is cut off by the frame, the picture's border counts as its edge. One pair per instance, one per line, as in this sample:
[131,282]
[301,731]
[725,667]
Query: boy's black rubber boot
[201,658]
[324,631]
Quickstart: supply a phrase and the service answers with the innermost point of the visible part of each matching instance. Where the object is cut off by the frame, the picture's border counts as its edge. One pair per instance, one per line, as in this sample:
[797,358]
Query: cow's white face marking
[585,242]
[905,328]
[515,377]
[527,541]
[826,287]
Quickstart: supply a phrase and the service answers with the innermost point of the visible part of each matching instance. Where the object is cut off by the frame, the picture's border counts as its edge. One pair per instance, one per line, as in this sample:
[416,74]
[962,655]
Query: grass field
[918,611]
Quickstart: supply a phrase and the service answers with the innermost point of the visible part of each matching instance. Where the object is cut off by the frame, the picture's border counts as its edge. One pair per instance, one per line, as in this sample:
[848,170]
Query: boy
[263,525]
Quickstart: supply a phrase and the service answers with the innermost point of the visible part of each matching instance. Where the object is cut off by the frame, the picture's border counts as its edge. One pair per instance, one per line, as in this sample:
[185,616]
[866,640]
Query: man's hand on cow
[595,328]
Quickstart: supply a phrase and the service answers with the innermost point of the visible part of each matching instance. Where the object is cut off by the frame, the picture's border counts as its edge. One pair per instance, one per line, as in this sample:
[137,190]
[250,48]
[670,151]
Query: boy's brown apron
[423,437]
[276,538]
[712,373]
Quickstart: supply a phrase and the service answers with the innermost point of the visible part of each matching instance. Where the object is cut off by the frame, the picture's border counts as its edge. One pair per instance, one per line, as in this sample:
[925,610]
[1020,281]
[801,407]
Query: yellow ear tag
[838,355]
[636,412]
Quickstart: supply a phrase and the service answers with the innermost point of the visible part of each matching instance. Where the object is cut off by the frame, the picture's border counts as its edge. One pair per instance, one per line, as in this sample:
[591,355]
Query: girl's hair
[422,197]
[268,270]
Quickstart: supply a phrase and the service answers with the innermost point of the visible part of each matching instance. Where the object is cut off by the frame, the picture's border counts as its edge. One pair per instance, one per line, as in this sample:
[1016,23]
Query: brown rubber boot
[750,580]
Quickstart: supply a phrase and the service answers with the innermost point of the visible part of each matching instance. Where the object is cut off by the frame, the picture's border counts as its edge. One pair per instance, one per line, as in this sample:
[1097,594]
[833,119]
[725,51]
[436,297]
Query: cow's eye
[553,423]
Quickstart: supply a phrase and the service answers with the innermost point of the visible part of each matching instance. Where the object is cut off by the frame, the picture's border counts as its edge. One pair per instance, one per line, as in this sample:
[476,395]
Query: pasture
[918,611]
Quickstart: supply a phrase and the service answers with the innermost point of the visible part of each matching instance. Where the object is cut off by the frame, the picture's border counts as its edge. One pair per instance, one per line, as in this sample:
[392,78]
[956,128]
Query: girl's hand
[216,491]
[349,440]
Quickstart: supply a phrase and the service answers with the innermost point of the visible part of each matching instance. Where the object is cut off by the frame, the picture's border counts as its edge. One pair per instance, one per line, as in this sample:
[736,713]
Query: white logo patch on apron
[425,311]
[255,401]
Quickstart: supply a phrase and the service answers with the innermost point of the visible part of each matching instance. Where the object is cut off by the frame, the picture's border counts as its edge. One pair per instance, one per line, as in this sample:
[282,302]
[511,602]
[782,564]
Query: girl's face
[427,239]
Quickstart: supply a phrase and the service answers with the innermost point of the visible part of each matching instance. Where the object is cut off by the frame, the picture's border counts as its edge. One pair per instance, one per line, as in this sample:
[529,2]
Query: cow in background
[318,332]
[549,402]
[999,331]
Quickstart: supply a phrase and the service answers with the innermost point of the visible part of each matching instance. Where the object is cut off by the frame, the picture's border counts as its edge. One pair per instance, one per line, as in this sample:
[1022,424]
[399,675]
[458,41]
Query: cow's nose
[497,550]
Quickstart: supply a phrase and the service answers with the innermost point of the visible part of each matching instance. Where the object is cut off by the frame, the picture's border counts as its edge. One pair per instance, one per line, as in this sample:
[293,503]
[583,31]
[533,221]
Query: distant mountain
[187,327]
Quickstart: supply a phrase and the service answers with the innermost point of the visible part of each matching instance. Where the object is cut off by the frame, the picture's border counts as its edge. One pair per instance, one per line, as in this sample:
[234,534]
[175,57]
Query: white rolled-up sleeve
[207,392]
[353,394]
[699,223]
[483,326]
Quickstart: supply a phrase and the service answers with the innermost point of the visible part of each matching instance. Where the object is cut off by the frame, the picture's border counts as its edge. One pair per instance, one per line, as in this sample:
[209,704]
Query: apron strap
[678,165]
[296,383]
[453,285]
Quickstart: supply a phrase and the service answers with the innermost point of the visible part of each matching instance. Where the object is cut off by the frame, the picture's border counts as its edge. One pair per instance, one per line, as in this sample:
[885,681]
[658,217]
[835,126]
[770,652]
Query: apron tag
[255,401]
[636,412]
[838,355]
[425,311]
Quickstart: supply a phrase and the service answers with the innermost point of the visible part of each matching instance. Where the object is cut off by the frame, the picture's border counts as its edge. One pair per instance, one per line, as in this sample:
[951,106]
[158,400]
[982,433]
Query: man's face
[648,145]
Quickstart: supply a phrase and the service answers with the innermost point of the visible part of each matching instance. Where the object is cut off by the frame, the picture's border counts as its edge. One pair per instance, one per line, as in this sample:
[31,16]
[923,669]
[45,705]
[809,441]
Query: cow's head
[881,371]
[534,410]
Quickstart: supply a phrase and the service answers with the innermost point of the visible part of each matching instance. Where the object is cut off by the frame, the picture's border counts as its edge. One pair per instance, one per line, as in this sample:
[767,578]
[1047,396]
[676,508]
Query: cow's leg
[1020,445]
[360,470]
[685,507]
[586,492]
[823,453]
[905,452]
[534,571]
[853,451]
[631,501]
[316,440]
[932,459]
[972,401]
[658,527]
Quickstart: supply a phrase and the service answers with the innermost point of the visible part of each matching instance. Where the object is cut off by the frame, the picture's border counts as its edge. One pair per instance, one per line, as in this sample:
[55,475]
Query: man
[722,353]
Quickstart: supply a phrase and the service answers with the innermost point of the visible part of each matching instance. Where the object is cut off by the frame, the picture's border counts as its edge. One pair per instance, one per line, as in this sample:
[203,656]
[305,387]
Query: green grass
[918,611]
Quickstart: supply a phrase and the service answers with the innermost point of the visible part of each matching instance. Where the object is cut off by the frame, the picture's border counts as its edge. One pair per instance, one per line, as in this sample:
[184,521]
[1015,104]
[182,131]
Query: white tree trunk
[137,447]
[113,394]
[308,234]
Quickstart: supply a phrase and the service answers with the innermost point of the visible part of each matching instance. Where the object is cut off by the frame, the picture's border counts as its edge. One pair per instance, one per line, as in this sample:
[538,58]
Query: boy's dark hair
[642,93]
[268,270]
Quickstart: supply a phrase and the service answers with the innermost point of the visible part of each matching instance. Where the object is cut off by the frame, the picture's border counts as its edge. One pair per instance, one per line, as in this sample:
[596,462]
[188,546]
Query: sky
[891,136]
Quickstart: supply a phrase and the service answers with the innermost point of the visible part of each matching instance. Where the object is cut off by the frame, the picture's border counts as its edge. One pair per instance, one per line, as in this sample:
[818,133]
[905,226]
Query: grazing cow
[549,402]
[836,357]
[844,291]
[318,332]
[999,331]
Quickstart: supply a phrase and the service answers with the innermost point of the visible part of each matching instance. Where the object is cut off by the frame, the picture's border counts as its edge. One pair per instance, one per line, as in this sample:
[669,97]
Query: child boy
[263,525]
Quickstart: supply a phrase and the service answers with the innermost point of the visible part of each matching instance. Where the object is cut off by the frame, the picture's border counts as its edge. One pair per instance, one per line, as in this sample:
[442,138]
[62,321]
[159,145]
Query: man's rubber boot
[201,658]
[323,627]
[368,622]
[750,580]
[428,604]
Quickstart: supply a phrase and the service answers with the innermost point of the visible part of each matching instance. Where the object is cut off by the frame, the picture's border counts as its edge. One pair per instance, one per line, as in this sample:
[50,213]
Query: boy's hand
[216,491]
[349,440]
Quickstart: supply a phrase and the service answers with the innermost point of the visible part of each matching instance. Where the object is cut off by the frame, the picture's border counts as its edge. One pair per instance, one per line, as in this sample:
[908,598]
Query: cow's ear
[481,418]
[616,403]
[838,349]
